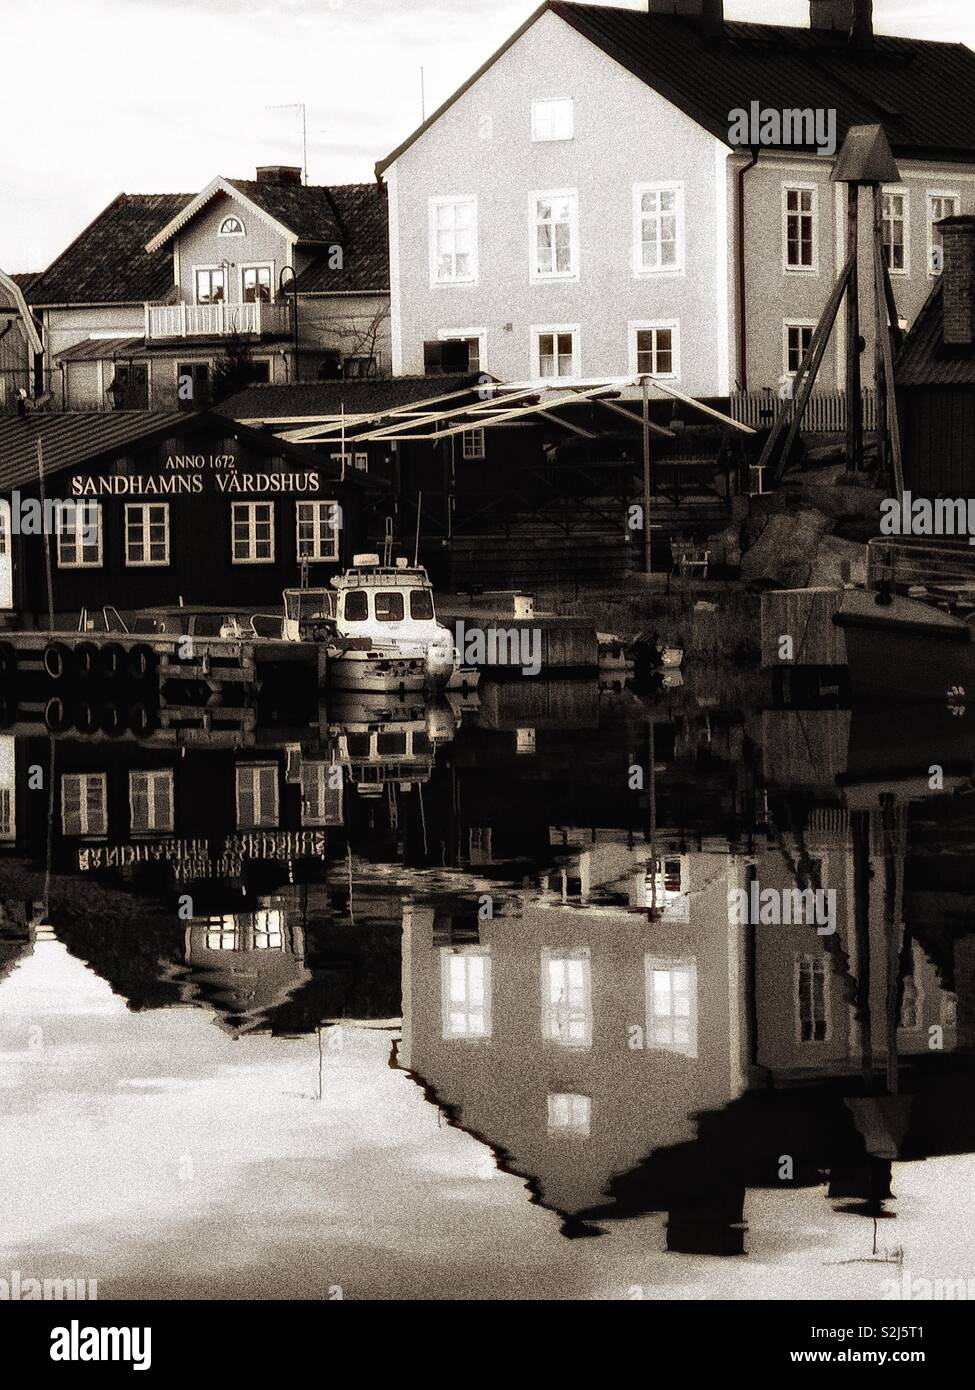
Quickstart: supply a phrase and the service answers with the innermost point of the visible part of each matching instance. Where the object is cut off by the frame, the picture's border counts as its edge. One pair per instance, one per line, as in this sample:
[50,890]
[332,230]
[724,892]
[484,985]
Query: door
[6,558]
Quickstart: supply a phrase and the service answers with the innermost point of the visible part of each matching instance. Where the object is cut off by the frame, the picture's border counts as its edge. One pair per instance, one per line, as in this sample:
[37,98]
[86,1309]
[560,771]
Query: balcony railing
[216,320]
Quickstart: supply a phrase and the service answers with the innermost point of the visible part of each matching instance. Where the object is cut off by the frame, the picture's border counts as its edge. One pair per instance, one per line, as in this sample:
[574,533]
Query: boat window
[421,743]
[359,745]
[388,745]
[356,606]
[421,604]
[389,607]
[213,624]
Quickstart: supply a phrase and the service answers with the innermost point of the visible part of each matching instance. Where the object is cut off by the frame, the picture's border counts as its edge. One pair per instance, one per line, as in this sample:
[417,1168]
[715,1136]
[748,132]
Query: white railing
[825,411]
[215,320]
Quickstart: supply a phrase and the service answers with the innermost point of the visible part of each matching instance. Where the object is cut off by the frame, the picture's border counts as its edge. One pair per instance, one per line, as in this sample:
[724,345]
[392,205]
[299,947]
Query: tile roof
[924,360]
[72,438]
[108,263]
[103,349]
[364,237]
[25,278]
[360,397]
[923,92]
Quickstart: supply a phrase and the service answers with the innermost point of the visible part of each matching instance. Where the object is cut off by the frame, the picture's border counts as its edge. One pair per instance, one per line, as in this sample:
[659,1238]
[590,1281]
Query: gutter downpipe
[740,256]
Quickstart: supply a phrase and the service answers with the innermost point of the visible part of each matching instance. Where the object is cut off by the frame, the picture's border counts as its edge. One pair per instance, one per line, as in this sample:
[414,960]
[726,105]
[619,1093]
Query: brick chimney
[851,17]
[958,280]
[709,12]
[278,173]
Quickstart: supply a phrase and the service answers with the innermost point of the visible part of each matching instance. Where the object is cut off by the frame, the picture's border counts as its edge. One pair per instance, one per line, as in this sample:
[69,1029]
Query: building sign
[193,474]
[204,858]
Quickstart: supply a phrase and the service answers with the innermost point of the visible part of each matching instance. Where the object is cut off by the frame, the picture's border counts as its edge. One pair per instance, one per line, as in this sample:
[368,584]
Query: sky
[101,97]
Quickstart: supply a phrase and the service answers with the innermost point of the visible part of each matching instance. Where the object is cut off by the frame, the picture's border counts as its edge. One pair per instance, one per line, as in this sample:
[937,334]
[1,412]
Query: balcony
[216,320]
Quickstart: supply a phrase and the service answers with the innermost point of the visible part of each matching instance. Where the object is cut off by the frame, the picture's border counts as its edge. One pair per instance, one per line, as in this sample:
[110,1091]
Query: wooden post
[49,573]
[647,557]
[881,330]
[854,404]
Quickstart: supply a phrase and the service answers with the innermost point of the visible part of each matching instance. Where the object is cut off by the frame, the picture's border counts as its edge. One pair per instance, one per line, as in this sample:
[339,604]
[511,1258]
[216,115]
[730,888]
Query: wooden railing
[215,320]
[825,412]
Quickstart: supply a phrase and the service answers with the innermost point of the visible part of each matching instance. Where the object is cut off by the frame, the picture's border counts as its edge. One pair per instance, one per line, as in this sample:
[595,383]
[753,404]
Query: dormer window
[231,226]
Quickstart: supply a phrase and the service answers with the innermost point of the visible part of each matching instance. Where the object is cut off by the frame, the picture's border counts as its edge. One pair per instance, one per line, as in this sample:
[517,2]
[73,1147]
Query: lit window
[317,530]
[895,231]
[222,933]
[798,339]
[151,801]
[465,980]
[940,205]
[567,998]
[671,987]
[84,803]
[659,227]
[79,535]
[256,283]
[569,1114]
[453,241]
[268,933]
[811,1002]
[553,120]
[473,444]
[146,533]
[210,286]
[555,354]
[799,214]
[252,527]
[556,236]
[257,797]
[653,349]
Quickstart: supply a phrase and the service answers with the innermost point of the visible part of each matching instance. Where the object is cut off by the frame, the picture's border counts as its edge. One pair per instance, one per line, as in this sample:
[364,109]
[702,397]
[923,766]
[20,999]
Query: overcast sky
[100,97]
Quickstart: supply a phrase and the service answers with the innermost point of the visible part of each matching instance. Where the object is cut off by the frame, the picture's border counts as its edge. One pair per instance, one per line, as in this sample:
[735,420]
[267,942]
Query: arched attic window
[232,226]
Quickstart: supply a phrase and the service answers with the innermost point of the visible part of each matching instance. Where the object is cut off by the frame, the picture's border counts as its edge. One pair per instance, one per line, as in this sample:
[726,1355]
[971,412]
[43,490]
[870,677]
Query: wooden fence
[825,412]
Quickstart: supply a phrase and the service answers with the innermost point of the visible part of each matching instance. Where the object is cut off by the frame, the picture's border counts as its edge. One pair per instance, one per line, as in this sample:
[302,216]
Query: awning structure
[495,403]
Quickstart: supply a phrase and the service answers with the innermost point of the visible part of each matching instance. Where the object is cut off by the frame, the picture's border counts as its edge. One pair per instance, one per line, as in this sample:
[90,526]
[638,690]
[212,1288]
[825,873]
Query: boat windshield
[302,605]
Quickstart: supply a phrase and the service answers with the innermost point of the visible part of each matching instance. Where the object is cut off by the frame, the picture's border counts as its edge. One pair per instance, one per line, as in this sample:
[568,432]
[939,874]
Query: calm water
[427,1001]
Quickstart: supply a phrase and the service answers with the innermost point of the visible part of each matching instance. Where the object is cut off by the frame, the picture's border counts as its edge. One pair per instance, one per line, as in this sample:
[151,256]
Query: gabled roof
[922,92]
[12,299]
[107,263]
[924,360]
[360,397]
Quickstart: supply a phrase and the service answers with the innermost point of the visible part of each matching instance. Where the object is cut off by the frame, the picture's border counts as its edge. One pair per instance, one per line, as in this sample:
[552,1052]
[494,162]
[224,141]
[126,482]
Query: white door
[6,558]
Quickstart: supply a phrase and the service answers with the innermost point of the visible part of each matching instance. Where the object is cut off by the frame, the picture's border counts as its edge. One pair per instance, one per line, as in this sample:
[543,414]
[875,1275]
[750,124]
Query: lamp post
[287,269]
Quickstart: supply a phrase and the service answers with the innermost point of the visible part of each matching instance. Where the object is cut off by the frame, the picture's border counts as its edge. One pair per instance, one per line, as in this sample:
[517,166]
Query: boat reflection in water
[549,943]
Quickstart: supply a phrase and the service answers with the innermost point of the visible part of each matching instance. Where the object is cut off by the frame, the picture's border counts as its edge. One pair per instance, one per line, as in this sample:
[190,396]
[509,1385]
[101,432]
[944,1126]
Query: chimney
[278,173]
[851,17]
[709,12]
[958,280]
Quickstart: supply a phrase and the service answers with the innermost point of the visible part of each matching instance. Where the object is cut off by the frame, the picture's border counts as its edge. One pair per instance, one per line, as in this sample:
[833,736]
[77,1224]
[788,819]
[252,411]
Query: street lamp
[287,269]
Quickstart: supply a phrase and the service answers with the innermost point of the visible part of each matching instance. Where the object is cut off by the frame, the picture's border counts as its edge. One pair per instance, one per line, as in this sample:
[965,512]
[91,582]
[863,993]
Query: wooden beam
[888,404]
[635,419]
[699,405]
[520,411]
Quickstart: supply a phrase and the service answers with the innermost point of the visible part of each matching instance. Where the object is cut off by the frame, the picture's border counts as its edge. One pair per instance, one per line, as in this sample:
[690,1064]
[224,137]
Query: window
[193,382]
[151,802]
[231,226]
[555,236]
[465,991]
[555,352]
[451,353]
[453,241]
[658,230]
[671,987]
[260,371]
[358,368]
[257,797]
[317,530]
[222,933]
[355,606]
[798,337]
[146,533]
[940,205]
[811,1001]
[84,803]
[553,120]
[268,933]
[252,528]
[389,606]
[255,283]
[895,230]
[321,801]
[569,1114]
[473,444]
[653,349]
[79,533]
[799,214]
[567,998]
[421,605]
[210,285]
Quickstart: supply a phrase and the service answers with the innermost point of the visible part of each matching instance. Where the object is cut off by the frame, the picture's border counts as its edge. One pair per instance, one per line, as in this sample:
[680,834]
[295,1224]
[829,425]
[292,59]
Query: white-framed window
[797,334]
[317,530]
[940,205]
[80,536]
[476,343]
[151,801]
[567,997]
[211,284]
[146,534]
[269,929]
[655,348]
[257,796]
[896,225]
[84,803]
[554,248]
[569,1114]
[812,1019]
[252,533]
[671,990]
[555,350]
[256,283]
[800,227]
[473,442]
[223,933]
[453,241]
[658,228]
[321,793]
[553,120]
[231,226]
[465,991]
